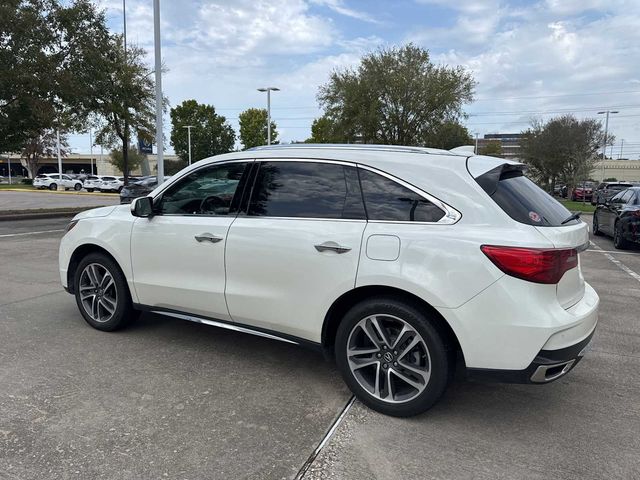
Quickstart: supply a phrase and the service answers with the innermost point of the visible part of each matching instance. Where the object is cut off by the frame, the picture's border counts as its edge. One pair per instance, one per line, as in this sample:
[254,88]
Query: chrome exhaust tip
[548,373]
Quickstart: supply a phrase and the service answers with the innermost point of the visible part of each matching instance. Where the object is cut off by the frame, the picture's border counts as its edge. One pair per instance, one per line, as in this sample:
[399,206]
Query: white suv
[111,184]
[395,261]
[52,180]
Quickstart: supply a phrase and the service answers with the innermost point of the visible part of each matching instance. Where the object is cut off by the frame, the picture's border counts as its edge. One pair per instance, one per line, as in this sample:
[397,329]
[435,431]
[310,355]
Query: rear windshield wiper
[574,216]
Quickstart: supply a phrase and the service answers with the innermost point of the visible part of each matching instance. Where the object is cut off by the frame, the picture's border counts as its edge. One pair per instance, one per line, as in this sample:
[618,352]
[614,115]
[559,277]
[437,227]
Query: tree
[211,133]
[323,130]
[564,148]
[492,148]
[135,158]
[39,147]
[124,97]
[448,135]
[395,96]
[253,128]
[46,52]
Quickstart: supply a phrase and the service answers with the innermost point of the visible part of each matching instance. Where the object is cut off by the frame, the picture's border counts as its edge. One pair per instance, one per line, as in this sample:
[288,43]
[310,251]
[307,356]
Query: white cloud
[338,6]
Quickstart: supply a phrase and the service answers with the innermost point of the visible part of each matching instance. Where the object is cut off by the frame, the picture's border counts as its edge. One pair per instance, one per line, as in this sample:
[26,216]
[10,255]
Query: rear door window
[387,200]
[627,196]
[307,190]
[522,199]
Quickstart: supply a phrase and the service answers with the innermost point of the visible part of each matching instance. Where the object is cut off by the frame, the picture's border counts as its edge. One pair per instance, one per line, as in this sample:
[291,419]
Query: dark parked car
[140,188]
[606,190]
[619,218]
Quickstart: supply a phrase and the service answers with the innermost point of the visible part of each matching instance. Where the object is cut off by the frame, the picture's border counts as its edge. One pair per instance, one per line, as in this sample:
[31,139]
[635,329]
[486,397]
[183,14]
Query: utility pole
[621,145]
[158,67]
[606,131]
[60,187]
[125,141]
[9,162]
[269,90]
[475,152]
[189,127]
[91,150]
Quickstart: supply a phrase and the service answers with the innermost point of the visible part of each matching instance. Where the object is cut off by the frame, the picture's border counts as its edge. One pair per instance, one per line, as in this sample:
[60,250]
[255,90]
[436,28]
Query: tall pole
[189,127]
[604,141]
[621,145]
[158,66]
[476,149]
[59,159]
[91,150]
[125,140]
[268,90]
[9,162]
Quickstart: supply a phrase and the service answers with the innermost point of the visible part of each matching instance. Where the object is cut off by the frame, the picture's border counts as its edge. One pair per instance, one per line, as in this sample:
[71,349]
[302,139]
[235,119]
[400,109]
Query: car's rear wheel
[89,189]
[619,241]
[77,187]
[392,357]
[596,225]
[102,294]
[53,186]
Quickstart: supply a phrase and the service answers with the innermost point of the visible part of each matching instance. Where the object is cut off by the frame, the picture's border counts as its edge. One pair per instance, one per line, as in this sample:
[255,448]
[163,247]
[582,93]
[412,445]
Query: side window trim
[158,198]
[451,215]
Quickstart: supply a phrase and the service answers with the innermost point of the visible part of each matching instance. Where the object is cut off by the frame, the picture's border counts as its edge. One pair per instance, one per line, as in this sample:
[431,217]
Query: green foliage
[171,167]
[211,133]
[135,158]
[448,135]
[395,96]
[610,179]
[27,181]
[492,148]
[253,128]
[42,146]
[564,148]
[47,53]
[323,131]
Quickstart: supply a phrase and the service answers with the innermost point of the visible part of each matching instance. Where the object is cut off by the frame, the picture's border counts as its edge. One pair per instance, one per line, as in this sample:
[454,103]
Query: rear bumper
[547,366]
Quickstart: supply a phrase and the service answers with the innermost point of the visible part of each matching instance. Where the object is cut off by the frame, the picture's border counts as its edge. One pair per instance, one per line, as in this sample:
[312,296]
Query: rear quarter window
[522,199]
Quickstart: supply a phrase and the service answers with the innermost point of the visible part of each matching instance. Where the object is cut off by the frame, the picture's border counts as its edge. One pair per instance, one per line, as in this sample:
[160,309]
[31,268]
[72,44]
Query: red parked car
[583,191]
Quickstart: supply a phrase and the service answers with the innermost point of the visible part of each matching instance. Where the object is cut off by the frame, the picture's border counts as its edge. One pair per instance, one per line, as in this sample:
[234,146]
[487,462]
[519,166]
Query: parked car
[92,182]
[583,191]
[139,188]
[111,184]
[619,217]
[52,180]
[393,261]
[606,190]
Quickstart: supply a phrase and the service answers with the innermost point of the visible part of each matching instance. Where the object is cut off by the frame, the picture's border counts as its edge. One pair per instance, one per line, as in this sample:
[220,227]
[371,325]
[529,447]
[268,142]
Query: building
[510,143]
[621,170]
[75,163]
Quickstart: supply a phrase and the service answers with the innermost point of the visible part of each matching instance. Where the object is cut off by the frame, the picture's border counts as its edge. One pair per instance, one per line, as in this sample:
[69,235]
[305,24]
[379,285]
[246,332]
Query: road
[173,399]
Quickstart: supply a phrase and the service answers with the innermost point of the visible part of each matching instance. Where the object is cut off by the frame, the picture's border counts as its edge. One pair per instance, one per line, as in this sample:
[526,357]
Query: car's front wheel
[77,187]
[53,186]
[102,294]
[619,241]
[392,357]
[596,225]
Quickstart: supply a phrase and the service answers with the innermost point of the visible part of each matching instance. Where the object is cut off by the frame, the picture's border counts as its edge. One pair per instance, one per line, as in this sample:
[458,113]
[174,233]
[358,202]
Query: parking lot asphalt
[172,399]
[13,200]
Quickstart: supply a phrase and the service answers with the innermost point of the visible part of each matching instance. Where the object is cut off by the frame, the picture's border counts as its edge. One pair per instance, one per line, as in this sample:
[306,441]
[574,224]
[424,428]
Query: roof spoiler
[489,180]
[464,149]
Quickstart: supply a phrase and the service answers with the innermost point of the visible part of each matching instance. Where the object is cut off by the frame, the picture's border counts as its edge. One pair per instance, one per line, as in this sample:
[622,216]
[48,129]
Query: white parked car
[392,260]
[52,180]
[92,182]
[111,184]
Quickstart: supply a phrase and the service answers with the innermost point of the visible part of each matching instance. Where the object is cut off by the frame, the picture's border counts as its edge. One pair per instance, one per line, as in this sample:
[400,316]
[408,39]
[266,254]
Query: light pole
[475,152]
[268,90]
[60,187]
[621,145]
[189,127]
[91,150]
[158,66]
[606,131]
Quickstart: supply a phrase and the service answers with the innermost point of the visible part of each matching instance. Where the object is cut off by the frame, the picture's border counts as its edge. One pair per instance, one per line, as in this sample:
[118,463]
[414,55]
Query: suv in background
[606,190]
[92,182]
[394,261]
[111,184]
[52,180]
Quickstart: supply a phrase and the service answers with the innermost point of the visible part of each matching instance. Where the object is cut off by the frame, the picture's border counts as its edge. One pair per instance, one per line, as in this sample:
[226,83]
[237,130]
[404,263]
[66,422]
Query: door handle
[333,247]
[208,237]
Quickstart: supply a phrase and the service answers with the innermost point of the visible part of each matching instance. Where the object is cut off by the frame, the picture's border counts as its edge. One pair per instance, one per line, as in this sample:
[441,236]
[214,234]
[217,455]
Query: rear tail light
[538,265]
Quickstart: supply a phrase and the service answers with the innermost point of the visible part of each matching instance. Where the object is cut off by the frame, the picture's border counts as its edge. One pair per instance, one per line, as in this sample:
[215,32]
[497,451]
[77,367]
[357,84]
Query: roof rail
[355,146]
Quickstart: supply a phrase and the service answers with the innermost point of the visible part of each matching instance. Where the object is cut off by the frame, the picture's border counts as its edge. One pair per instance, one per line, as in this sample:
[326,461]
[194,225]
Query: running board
[228,326]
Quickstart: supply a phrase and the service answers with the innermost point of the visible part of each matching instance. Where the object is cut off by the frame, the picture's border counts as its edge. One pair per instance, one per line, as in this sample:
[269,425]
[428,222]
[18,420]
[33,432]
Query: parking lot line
[617,262]
[30,233]
[617,252]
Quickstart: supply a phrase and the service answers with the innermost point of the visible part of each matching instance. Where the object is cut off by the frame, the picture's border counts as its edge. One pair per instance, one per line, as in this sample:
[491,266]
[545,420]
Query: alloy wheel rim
[388,358]
[98,292]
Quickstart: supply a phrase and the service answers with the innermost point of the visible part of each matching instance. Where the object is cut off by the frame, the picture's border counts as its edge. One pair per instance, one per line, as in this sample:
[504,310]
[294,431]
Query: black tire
[89,189]
[77,187]
[618,240]
[441,364]
[124,312]
[596,225]
[53,186]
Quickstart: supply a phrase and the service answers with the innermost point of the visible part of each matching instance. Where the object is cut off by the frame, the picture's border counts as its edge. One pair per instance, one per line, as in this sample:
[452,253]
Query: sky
[530,59]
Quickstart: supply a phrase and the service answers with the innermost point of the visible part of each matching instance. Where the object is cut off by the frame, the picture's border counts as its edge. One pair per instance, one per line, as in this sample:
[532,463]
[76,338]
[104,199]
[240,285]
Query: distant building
[510,143]
[621,170]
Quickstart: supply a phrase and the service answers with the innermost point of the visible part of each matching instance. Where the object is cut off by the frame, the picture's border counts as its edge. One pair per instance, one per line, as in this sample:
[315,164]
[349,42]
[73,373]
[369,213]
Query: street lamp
[189,127]
[158,68]
[268,90]
[606,131]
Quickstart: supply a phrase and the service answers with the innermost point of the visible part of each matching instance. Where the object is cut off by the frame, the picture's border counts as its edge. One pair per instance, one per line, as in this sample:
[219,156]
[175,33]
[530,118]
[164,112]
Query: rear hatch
[505,182]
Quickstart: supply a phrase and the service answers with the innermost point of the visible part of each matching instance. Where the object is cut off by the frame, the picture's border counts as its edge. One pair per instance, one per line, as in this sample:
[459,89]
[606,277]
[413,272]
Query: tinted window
[617,198]
[307,189]
[388,200]
[522,199]
[627,196]
[208,191]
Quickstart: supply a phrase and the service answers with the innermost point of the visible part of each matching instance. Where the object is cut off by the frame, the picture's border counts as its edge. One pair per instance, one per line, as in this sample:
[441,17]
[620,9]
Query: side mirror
[142,207]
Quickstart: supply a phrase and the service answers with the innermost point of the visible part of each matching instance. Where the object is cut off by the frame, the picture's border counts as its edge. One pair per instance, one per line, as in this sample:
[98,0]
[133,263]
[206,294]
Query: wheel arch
[341,305]
[78,254]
